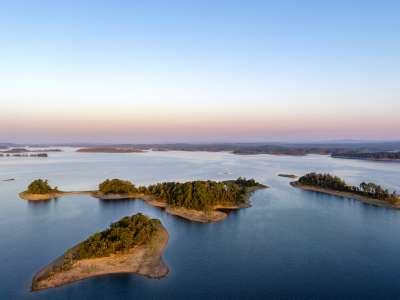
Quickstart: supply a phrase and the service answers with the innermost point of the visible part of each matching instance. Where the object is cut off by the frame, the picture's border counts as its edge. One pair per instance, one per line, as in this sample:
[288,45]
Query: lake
[291,244]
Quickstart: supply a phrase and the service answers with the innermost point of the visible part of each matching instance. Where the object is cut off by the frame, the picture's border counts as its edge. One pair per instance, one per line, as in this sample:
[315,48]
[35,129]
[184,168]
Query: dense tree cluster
[199,195]
[40,186]
[117,186]
[119,237]
[202,195]
[324,180]
[369,155]
[370,189]
[246,182]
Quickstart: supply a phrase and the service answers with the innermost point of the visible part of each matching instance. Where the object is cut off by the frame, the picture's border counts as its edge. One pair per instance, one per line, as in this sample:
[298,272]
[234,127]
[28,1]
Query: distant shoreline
[367,158]
[341,194]
[110,150]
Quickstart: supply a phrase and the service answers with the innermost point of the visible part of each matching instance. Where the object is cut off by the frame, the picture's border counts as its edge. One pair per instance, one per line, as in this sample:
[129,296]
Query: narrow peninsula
[132,245]
[370,193]
[198,201]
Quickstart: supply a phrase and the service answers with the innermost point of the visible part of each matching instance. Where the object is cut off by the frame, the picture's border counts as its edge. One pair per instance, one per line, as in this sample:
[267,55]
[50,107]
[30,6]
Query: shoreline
[364,199]
[110,150]
[145,260]
[199,216]
[49,196]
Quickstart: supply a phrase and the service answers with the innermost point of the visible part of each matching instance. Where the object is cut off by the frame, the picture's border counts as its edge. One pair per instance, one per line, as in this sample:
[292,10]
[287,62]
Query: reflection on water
[289,244]
[106,202]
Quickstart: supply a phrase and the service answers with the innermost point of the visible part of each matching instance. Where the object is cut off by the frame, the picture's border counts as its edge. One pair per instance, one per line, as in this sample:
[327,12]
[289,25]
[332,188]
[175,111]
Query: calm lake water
[290,244]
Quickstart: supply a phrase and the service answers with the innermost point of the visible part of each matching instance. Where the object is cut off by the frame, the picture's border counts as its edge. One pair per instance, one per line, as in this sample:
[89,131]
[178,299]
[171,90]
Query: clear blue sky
[160,71]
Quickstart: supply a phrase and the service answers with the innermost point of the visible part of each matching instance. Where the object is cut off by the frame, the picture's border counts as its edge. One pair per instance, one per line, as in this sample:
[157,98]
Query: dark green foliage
[370,189]
[117,186]
[325,181]
[40,186]
[142,189]
[369,155]
[119,237]
[246,182]
[202,195]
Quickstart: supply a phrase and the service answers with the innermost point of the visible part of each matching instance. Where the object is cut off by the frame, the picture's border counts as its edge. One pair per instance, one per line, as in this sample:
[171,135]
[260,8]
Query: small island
[199,201]
[203,201]
[8,179]
[132,245]
[40,190]
[292,176]
[370,193]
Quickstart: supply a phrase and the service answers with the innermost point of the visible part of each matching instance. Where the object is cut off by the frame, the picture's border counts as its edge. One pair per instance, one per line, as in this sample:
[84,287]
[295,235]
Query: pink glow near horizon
[218,127]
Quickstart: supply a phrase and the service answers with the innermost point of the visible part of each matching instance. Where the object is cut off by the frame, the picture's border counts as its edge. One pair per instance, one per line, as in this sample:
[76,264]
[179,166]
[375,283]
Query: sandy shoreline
[353,196]
[49,196]
[144,260]
[197,215]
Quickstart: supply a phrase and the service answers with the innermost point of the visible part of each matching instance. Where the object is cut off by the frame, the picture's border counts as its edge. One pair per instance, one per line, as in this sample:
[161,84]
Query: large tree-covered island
[370,193]
[200,200]
[132,245]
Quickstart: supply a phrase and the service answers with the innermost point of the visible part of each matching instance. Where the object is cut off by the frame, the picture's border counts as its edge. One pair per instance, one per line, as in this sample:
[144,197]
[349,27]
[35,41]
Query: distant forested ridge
[370,189]
[277,148]
[369,155]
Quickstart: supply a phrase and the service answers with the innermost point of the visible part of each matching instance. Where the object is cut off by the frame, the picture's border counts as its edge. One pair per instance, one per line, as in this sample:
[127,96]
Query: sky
[199,71]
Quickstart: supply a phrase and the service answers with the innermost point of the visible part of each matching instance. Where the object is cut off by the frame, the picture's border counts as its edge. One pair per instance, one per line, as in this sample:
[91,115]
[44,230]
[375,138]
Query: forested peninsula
[132,245]
[370,193]
[378,156]
[200,201]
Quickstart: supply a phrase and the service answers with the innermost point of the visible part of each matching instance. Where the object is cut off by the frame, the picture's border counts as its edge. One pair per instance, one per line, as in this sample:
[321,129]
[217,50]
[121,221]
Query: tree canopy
[117,186]
[40,186]
[119,237]
[202,195]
